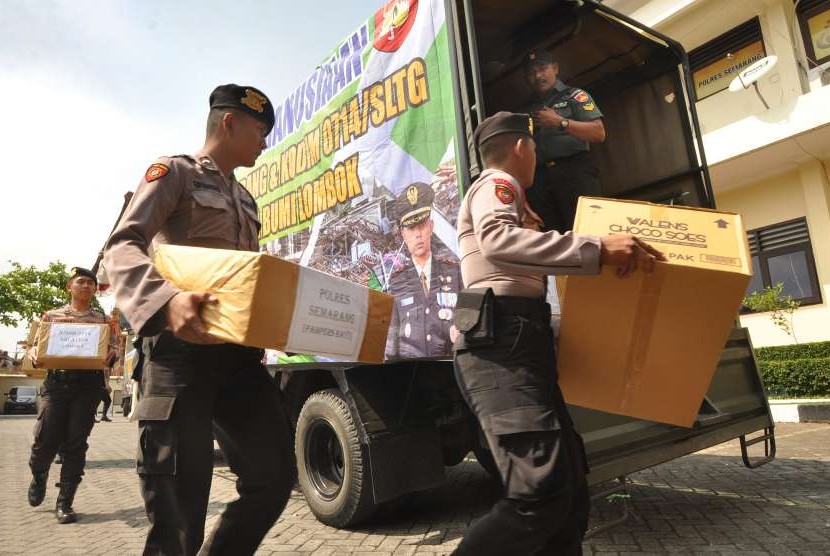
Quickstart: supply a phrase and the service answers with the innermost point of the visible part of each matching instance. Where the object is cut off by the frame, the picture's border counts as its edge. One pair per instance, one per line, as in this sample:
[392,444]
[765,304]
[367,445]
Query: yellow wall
[781,86]
[804,192]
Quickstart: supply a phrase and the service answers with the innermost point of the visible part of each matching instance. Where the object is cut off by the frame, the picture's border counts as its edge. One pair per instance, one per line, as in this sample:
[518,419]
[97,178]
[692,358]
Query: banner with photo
[359,178]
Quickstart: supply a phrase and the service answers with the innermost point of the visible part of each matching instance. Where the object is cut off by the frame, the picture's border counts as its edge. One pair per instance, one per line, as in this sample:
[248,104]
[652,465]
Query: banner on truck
[359,178]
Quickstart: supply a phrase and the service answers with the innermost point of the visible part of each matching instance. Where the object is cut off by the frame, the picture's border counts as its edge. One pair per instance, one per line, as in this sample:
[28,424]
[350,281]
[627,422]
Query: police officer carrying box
[504,357]
[567,121]
[69,401]
[191,383]
[426,290]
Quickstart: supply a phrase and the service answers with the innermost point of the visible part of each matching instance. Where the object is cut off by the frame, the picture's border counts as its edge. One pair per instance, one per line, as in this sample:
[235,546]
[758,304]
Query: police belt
[563,160]
[532,308]
[72,373]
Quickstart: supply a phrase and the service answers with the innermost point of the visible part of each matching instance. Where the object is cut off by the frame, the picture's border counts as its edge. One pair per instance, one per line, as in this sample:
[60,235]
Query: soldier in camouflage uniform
[567,121]
[426,290]
[67,410]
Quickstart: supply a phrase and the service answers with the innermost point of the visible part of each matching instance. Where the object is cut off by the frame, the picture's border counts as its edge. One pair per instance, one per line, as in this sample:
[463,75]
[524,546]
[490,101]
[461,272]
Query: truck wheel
[332,467]
[485,460]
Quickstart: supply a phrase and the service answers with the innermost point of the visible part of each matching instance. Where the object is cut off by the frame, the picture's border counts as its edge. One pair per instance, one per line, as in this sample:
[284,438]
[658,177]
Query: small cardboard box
[268,302]
[26,365]
[648,346]
[64,345]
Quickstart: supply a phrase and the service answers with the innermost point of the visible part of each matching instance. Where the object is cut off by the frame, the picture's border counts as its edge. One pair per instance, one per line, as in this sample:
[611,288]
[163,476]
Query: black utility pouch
[474,316]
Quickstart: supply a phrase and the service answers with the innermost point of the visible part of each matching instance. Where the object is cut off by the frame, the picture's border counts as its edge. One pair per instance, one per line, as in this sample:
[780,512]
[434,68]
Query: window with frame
[783,253]
[715,64]
[814,21]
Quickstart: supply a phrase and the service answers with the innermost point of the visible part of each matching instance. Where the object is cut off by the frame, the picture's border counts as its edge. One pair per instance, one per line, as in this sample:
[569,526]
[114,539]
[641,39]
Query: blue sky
[92,91]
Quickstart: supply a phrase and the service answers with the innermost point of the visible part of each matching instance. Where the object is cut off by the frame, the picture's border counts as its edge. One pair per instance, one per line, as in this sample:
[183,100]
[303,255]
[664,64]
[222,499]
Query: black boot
[63,509]
[37,488]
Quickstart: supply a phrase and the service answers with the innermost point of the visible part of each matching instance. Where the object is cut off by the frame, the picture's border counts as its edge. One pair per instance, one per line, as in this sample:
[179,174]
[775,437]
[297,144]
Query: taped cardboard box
[26,366]
[268,302]
[648,346]
[64,345]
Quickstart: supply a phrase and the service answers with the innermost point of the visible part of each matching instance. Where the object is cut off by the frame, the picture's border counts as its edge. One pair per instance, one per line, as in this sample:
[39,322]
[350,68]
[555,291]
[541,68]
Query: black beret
[414,204]
[249,100]
[76,271]
[535,57]
[503,122]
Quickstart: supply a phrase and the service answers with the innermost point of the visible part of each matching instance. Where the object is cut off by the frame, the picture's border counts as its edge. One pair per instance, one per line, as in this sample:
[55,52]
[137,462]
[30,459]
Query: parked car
[21,399]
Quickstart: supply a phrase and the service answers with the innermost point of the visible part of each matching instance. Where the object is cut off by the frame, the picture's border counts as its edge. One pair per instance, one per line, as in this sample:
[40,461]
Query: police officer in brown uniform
[426,290]
[567,121]
[191,384]
[69,401]
[504,358]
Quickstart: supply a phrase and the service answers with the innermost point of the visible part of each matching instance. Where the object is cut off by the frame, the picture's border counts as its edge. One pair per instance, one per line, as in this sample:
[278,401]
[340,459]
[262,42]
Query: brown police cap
[249,100]
[76,271]
[414,204]
[503,122]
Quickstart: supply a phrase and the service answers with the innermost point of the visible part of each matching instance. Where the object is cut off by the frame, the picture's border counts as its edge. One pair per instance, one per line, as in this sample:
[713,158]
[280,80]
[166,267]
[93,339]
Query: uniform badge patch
[504,192]
[155,171]
[254,100]
[588,106]
[582,96]
[560,104]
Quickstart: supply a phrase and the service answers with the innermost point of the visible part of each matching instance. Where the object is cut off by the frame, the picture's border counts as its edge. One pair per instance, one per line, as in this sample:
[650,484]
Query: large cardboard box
[268,302]
[63,345]
[648,346]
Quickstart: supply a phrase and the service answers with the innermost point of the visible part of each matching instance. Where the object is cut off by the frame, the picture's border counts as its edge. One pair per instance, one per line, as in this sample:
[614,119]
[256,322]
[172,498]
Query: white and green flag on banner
[353,149]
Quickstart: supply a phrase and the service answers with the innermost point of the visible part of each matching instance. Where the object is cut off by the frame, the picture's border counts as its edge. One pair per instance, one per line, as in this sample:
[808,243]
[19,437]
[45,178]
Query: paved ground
[707,503]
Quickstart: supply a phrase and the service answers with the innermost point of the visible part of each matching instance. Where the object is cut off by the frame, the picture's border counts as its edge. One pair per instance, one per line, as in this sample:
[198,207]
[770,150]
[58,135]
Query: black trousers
[511,387]
[190,392]
[65,419]
[107,399]
[557,188]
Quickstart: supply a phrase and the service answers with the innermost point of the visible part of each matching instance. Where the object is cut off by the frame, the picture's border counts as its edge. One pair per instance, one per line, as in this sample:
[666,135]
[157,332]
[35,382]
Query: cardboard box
[648,346]
[64,345]
[26,365]
[267,302]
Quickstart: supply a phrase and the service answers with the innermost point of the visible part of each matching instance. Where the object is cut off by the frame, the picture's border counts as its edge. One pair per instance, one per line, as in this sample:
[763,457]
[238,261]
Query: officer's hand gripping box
[648,346]
[267,302]
[64,345]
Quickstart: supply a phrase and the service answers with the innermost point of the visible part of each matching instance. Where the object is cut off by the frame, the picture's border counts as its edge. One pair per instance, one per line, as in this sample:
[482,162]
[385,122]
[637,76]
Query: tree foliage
[27,291]
[780,307]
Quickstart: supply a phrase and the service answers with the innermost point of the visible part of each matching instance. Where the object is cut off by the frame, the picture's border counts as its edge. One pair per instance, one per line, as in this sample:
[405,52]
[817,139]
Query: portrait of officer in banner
[426,288]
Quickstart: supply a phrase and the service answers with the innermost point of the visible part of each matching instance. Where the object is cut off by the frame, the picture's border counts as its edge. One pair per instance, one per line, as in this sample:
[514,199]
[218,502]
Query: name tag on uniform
[407,301]
[205,185]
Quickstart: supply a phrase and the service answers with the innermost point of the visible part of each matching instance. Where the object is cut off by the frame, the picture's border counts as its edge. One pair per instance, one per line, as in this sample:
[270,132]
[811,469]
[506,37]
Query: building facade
[768,149]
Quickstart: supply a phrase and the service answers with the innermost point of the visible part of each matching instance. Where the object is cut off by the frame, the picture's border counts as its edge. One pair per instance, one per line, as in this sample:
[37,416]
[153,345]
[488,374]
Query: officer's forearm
[593,131]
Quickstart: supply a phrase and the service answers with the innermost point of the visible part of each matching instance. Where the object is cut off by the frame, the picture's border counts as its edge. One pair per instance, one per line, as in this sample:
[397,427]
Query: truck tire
[486,461]
[332,466]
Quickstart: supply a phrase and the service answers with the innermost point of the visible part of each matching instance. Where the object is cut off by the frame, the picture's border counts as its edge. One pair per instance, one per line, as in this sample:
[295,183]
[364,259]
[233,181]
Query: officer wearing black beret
[505,357]
[191,384]
[68,403]
[248,100]
[426,288]
[567,121]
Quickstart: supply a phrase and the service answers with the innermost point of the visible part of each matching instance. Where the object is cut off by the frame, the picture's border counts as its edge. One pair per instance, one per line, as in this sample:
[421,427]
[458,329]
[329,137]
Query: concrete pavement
[707,503]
